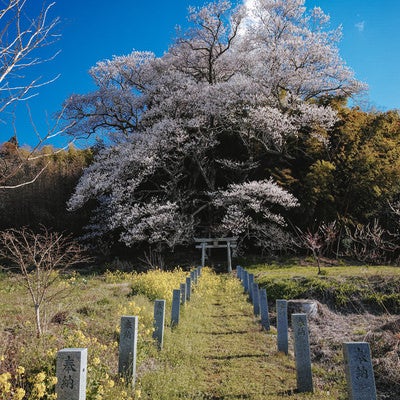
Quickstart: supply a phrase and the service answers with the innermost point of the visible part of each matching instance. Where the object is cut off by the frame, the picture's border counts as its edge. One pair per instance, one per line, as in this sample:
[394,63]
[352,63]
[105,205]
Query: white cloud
[251,19]
[360,26]
[251,9]
[250,4]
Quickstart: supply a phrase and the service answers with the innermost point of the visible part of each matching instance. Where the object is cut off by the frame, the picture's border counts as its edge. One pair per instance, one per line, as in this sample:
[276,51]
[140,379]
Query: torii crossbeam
[216,243]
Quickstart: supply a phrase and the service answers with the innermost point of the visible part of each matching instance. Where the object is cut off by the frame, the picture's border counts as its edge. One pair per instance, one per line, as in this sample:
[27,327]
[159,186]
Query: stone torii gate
[216,243]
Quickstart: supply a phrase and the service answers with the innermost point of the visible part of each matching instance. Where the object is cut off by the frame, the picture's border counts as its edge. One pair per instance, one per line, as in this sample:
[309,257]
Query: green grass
[218,351]
[343,288]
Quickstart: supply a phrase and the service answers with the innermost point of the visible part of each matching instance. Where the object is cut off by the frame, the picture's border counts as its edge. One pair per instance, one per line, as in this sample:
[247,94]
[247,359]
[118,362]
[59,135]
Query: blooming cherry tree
[249,212]
[188,133]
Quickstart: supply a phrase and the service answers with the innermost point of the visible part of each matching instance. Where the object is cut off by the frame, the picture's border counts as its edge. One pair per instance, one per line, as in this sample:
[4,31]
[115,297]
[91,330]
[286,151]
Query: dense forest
[351,180]
[42,202]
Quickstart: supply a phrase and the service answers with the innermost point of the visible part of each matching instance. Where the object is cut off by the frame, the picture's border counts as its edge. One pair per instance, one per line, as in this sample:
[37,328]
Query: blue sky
[370,44]
[94,30]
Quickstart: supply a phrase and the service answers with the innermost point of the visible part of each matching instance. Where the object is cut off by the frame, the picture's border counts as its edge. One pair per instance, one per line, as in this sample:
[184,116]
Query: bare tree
[319,241]
[40,257]
[371,243]
[22,40]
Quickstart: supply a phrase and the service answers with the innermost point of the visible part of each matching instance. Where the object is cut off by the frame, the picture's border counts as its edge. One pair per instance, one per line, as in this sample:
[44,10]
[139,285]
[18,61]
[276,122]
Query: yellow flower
[20,370]
[5,385]
[79,335]
[5,377]
[2,358]
[53,380]
[110,383]
[51,352]
[39,389]
[138,394]
[100,390]
[19,394]
[96,361]
[40,377]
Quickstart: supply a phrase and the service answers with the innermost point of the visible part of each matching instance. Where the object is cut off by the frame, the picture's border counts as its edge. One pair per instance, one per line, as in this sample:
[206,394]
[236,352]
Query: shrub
[157,284]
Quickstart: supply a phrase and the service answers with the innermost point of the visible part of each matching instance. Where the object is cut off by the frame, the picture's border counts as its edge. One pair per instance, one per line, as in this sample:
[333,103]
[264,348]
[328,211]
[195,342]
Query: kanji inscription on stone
[71,370]
[128,347]
[302,353]
[176,307]
[264,309]
[282,326]
[159,319]
[359,371]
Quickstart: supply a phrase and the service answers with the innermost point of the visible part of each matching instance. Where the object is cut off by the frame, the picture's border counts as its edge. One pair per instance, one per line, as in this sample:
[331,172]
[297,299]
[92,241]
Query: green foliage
[349,172]
[282,289]
[389,302]
[320,182]
[336,288]
[367,159]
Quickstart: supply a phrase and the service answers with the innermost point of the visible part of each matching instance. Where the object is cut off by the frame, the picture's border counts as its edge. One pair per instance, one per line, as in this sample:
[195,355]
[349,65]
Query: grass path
[235,351]
[218,351]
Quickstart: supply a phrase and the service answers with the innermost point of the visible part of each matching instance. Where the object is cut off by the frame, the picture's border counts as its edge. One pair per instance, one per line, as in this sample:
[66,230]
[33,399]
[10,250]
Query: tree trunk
[38,322]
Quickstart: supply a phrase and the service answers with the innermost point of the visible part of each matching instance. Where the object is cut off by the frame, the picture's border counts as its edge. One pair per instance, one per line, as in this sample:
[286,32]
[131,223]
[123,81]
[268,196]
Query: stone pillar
[71,371]
[203,254]
[128,347]
[188,288]
[192,277]
[246,281]
[159,322]
[256,299]
[302,353]
[303,306]
[359,371]
[282,326]
[264,310]
[183,293]
[239,272]
[228,248]
[195,274]
[251,281]
[176,307]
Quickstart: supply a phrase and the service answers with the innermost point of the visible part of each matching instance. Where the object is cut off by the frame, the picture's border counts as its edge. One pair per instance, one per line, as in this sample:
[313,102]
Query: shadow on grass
[289,392]
[237,356]
[228,315]
[226,396]
[225,333]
